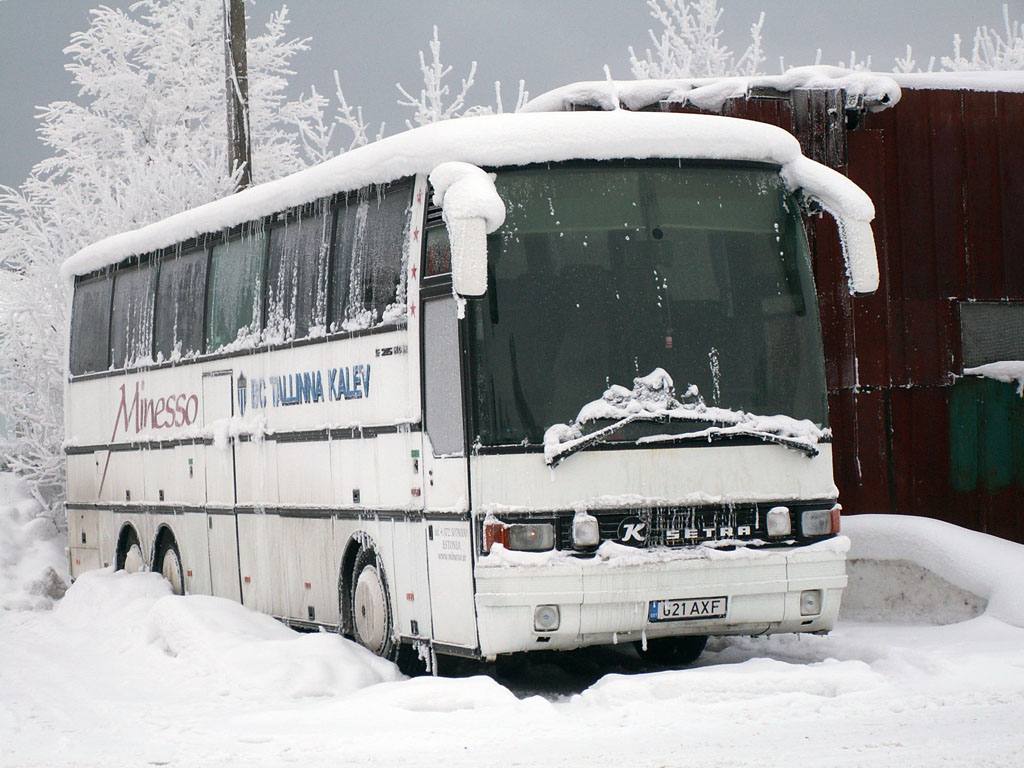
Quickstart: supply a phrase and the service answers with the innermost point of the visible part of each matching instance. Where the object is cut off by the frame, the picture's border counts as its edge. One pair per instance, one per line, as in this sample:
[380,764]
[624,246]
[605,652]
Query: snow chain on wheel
[372,624]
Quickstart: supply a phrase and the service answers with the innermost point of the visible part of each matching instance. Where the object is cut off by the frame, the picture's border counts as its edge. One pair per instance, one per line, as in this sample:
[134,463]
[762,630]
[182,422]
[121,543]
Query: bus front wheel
[371,609]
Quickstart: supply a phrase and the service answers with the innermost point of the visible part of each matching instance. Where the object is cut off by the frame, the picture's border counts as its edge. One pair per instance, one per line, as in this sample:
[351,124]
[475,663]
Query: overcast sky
[374,44]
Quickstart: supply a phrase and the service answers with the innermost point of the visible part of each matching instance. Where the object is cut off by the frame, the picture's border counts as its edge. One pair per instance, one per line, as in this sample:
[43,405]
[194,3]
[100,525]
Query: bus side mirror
[853,211]
[469,255]
[472,209]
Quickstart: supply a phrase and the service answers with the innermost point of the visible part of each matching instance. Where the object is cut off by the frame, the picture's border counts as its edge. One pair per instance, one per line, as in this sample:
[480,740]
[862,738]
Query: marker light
[546,618]
[586,532]
[837,512]
[778,521]
[810,602]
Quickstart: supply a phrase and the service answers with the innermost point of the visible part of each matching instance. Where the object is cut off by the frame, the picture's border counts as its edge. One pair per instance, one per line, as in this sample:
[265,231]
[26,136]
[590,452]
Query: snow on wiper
[653,399]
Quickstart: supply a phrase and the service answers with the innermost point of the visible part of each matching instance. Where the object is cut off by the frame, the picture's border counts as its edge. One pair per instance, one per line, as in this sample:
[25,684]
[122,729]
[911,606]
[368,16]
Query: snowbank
[32,563]
[236,650]
[990,568]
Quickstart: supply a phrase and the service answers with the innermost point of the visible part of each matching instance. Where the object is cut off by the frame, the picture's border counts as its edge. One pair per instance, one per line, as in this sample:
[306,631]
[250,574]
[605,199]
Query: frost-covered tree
[690,43]
[146,138]
[436,102]
[990,51]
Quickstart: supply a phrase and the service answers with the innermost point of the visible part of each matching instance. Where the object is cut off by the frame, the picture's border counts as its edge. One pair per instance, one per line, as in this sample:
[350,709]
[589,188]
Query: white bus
[500,384]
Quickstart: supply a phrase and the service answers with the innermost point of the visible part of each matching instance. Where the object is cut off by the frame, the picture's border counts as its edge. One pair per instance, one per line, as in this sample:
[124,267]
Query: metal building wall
[945,170]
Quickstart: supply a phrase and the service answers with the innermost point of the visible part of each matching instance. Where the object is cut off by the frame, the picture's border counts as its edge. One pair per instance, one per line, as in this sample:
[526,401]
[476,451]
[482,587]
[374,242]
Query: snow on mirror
[653,399]
[472,210]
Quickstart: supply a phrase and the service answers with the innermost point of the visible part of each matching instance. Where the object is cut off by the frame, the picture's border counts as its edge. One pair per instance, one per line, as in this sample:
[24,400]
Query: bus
[499,384]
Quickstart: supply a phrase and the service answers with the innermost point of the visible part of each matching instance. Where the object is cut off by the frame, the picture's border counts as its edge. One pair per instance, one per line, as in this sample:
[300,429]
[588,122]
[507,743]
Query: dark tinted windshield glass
[601,274]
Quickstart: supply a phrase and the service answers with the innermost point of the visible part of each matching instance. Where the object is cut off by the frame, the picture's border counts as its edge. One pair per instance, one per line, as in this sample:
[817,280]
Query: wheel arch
[127,536]
[346,575]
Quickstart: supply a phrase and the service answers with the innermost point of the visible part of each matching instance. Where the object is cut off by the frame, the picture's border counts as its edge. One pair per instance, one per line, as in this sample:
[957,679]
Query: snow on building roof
[710,93]
[492,141]
[877,90]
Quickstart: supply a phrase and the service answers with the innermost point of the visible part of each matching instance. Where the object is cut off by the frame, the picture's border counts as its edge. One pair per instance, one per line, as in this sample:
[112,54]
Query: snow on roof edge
[711,93]
[878,90]
[493,140]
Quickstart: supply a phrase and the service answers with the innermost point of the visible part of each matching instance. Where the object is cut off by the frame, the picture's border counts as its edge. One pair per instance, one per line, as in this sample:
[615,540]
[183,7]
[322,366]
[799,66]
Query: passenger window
[297,276]
[369,271]
[180,298]
[90,326]
[234,291]
[439,252]
[131,319]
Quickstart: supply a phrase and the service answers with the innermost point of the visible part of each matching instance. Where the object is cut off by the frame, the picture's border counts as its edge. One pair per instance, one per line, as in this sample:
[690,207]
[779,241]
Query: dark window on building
[90,326]
[234,291]
[368,280]
[181,295]
[297,276]
[131,319]
[991,331]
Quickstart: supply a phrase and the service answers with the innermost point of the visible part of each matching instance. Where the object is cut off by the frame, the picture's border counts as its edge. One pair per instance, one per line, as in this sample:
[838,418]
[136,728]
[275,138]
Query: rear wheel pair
[167,560]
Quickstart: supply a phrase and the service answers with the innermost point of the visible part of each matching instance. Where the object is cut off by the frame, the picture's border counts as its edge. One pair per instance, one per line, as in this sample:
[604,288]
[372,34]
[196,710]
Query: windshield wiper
[555,457]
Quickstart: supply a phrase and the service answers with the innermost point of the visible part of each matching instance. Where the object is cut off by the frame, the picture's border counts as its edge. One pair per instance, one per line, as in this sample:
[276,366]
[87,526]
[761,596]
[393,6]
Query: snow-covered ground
[118,672]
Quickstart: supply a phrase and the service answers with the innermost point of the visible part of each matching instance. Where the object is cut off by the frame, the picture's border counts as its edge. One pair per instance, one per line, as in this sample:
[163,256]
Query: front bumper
[606,599]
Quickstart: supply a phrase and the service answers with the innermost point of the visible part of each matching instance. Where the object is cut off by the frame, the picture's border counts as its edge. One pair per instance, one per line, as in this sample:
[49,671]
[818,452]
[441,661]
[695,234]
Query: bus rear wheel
[168,563]
[372,623]
[129,552]
[673,651]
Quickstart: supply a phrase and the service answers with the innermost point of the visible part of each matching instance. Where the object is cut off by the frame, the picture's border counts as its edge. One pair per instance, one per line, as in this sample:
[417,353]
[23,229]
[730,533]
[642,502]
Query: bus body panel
[690,474]
[609,602]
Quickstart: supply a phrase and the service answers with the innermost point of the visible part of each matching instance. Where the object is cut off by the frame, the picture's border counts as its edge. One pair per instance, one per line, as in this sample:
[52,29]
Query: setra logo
[633,531]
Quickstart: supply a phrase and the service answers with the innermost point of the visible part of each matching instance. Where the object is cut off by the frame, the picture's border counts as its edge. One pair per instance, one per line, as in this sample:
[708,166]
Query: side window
[178,326]
[131,318]
[439,252]
[369,272]
[234,291]
[90,326]
[297,276]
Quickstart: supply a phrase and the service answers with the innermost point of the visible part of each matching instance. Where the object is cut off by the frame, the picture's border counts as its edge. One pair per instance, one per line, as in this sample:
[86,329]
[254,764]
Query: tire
[168,563]
[129,553]
[372,622]
[673,651]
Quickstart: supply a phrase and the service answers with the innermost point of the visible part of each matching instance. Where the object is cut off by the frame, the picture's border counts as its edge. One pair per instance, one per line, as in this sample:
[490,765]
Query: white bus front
[644,407]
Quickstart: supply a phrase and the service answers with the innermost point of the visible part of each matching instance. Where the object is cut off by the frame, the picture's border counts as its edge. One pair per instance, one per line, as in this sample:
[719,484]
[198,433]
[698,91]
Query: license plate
[689,608]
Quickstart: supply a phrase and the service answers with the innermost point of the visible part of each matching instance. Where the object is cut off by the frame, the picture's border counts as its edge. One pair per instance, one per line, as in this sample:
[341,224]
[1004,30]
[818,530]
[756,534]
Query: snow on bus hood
[653,398]
[494,141]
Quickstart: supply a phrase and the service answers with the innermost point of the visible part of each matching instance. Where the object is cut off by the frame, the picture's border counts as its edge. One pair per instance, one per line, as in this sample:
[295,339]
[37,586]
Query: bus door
[445,479]
[221,525]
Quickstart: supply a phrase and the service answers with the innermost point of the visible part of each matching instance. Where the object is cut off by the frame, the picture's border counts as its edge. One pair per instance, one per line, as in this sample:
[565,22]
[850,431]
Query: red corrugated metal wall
[945,170]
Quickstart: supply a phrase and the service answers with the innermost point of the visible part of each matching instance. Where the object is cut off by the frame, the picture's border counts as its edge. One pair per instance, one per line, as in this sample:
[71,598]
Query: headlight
[531,537]
[778,522]
[586,532]
[816,522]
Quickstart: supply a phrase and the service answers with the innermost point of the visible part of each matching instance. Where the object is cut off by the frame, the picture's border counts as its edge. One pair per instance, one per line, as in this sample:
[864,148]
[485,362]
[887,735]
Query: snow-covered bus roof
[492,141]
[876,90]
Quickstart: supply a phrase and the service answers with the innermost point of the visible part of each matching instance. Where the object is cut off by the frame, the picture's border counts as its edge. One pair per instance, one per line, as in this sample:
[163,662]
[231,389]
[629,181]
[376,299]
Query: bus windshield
[604,273]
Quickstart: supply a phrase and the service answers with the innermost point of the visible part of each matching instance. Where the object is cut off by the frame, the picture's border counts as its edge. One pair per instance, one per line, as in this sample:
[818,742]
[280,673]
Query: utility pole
[237,86]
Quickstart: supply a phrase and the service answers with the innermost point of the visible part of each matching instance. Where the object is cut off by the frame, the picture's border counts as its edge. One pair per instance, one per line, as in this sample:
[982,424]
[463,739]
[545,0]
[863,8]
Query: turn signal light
[525,537]
[837,511]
